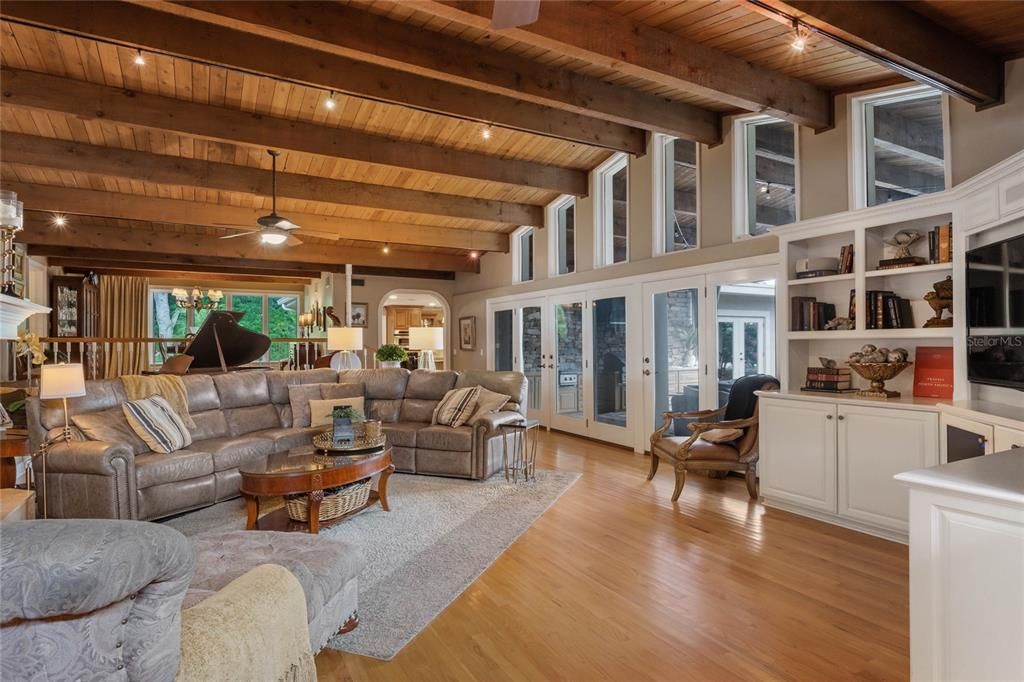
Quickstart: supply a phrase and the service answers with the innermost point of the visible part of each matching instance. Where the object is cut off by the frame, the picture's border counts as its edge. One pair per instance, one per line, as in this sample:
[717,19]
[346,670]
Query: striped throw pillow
[456,407]
[156,422]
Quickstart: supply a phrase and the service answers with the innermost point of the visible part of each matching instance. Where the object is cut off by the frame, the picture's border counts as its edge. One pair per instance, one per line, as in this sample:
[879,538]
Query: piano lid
[237,345]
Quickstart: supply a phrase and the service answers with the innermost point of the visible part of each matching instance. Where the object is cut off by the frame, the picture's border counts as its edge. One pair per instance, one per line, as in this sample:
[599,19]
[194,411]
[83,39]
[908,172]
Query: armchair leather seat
[701,450]
[157,468]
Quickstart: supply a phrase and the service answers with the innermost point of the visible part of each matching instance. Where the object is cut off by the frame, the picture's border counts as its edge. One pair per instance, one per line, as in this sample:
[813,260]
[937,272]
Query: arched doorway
[426,301]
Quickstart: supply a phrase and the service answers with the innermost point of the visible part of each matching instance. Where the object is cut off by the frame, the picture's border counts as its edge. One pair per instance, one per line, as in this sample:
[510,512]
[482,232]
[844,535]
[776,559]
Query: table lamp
[345,340]
[426,340]
[60,381]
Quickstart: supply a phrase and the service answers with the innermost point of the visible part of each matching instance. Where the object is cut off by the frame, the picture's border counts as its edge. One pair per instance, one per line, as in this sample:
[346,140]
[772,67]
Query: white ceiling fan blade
[512,13]
[292,241]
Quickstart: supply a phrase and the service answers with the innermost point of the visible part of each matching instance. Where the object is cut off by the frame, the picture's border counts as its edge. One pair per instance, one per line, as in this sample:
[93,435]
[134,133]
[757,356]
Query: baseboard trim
[837,520]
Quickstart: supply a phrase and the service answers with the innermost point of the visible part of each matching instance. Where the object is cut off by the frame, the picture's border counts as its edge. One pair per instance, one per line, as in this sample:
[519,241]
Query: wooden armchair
[726,445]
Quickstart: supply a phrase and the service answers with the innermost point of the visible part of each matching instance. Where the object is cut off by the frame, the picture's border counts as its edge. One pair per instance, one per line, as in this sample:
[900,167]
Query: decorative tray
[361,444]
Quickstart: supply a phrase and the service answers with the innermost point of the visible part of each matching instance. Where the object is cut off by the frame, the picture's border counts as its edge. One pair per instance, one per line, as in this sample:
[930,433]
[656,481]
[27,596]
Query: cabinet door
[798,452]
[875,444]
[1007,439]
[415,318]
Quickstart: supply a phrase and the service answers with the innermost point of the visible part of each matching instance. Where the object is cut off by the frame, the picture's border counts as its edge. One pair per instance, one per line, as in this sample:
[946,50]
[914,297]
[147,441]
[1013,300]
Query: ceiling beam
[362,35]
[90,202]
[589,32]
[153,30]
[76,265]
[233,251]
[90,101]
[174,170]
[62,255]
[899,38]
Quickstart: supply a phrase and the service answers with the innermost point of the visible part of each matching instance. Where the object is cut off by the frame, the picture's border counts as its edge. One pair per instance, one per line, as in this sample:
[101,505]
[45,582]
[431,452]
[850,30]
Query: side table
[522,458]
[12,446]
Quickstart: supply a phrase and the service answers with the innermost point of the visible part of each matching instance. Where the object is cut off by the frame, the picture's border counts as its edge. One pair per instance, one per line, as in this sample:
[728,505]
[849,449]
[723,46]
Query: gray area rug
[439,536]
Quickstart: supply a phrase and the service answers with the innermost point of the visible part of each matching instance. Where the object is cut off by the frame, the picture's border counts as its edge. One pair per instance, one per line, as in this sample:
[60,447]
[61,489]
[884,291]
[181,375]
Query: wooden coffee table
[304,471]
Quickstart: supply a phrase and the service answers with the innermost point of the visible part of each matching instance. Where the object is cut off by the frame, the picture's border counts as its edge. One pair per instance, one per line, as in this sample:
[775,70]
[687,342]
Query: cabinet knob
[841,417]
[828,416]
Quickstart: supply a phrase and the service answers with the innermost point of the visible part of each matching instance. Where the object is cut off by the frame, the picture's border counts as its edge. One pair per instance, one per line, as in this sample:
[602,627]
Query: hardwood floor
[615,582]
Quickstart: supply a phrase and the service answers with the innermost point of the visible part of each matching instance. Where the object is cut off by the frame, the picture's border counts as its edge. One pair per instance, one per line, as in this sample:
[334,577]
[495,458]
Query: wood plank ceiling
[444,135]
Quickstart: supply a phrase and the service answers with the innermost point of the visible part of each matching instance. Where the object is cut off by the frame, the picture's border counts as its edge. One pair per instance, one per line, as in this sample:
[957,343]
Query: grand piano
[223,344]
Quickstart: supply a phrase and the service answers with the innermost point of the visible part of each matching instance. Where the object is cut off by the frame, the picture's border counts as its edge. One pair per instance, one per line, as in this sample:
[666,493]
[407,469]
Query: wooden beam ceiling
[130,270]
[361,35]
[92,102]
[158,31]
[57,255]
[232,252]
[589,32]
[173,170]
[901,39]
[70,200]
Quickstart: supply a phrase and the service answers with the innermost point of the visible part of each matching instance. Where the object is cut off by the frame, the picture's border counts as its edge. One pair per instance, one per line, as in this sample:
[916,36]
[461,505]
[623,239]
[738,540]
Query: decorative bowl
[878,373]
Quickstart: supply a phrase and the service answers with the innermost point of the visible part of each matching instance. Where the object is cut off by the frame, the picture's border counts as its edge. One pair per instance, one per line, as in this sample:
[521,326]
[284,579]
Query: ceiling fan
[513,13]
[274,229]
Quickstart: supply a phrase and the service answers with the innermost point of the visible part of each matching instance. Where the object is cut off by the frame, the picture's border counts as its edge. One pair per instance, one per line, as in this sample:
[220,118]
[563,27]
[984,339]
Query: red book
[933,372]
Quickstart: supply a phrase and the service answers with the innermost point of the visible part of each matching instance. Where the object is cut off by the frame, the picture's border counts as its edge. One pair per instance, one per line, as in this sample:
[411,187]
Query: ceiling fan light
[273,238]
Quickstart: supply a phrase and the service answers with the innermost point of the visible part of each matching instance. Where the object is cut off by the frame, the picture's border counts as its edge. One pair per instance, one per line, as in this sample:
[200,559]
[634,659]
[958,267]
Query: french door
[518,344]
[675,353]
[569,333]
[612,355]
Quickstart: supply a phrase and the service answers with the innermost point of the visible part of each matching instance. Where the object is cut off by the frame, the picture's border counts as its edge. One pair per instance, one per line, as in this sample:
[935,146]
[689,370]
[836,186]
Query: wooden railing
[146,353]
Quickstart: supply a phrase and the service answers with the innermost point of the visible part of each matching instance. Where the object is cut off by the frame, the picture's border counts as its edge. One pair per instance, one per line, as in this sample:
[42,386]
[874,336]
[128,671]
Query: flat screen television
[995,313]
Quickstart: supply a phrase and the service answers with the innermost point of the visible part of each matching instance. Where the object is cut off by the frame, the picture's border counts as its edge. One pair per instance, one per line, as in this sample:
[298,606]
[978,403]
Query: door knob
[647,372]
[647,360]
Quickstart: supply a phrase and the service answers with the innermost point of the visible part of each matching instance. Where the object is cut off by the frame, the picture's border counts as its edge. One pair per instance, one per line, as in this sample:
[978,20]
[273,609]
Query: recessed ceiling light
[393,297]
[486,133]
[330,102]
[59,220]
[474,255]
[386,249]
[139,59]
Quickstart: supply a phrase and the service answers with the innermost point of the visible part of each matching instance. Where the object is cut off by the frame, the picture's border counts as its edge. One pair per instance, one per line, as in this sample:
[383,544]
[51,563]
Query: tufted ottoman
[327,569]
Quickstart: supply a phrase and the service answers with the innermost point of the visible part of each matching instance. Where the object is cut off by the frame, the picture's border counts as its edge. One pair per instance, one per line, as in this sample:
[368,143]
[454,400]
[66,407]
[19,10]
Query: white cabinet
[875,444]
[1007,439]
[835,460]
[798,453]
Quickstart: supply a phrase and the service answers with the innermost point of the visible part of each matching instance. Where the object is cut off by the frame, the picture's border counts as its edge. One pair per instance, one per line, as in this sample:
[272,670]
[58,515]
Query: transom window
[561,220]
[522,254]
[271,313]
[765,191]
[677,223]
[899,149]
[611,241]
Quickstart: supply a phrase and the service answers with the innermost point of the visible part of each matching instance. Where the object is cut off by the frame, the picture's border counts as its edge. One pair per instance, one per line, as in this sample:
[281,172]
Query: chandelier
[195,301]
[12,219]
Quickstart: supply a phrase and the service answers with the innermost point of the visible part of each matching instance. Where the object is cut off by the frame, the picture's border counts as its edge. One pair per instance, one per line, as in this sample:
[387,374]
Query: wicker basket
[337,502]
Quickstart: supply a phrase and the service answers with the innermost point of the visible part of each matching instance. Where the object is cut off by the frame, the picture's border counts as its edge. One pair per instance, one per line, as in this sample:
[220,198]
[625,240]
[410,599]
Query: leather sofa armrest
[489,423]
[88,457]
[253,628]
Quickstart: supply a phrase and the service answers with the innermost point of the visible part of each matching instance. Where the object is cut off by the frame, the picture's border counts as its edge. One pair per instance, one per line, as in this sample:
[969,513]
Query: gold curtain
[123,307]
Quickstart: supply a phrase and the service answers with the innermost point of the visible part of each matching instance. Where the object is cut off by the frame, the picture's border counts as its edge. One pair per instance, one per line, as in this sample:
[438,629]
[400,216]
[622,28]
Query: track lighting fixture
[59,220]
[139,59]
[329,103]
[800,38]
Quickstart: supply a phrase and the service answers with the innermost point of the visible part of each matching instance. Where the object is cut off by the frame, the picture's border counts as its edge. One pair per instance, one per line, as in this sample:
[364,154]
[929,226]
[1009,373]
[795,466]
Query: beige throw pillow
[721,435]
[156,422]
[320,410]
[489,402]
[299,396]
[456,407]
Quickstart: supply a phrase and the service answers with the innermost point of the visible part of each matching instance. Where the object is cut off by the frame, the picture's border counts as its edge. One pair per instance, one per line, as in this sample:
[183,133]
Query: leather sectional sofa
[245,416]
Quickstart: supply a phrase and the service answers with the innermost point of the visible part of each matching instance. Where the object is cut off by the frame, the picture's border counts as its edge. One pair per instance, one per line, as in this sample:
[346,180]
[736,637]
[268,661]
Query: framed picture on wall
[360,314]
[467,333]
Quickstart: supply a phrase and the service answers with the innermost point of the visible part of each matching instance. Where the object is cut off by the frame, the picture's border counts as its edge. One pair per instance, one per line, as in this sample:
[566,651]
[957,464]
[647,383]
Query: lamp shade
[426,338]
[345,338]
[61,381]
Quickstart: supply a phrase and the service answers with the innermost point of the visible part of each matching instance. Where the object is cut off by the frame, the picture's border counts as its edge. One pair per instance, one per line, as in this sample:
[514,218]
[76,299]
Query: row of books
[940,244]
[829,380]
[808,314]
[886,310]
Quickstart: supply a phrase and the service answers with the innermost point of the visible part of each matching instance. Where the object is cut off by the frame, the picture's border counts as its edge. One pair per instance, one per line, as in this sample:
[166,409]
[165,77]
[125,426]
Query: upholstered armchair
[726,445]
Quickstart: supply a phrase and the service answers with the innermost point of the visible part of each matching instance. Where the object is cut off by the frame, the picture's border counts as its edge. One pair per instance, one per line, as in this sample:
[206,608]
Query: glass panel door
[504,343]
[569,327]
[612,362]
[531,345]
[672,362]
[746,332]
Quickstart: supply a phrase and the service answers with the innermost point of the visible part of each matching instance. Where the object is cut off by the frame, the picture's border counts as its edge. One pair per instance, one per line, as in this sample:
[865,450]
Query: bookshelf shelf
[840,334]
[849,276]
[915,270]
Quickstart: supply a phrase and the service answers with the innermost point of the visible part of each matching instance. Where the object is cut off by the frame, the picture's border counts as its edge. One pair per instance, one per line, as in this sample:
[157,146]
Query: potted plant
[391,355]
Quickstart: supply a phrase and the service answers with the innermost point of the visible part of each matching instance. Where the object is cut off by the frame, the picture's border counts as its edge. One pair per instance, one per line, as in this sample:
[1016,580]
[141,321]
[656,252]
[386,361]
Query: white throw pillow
[320,410]
[156,422]
[456,407]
